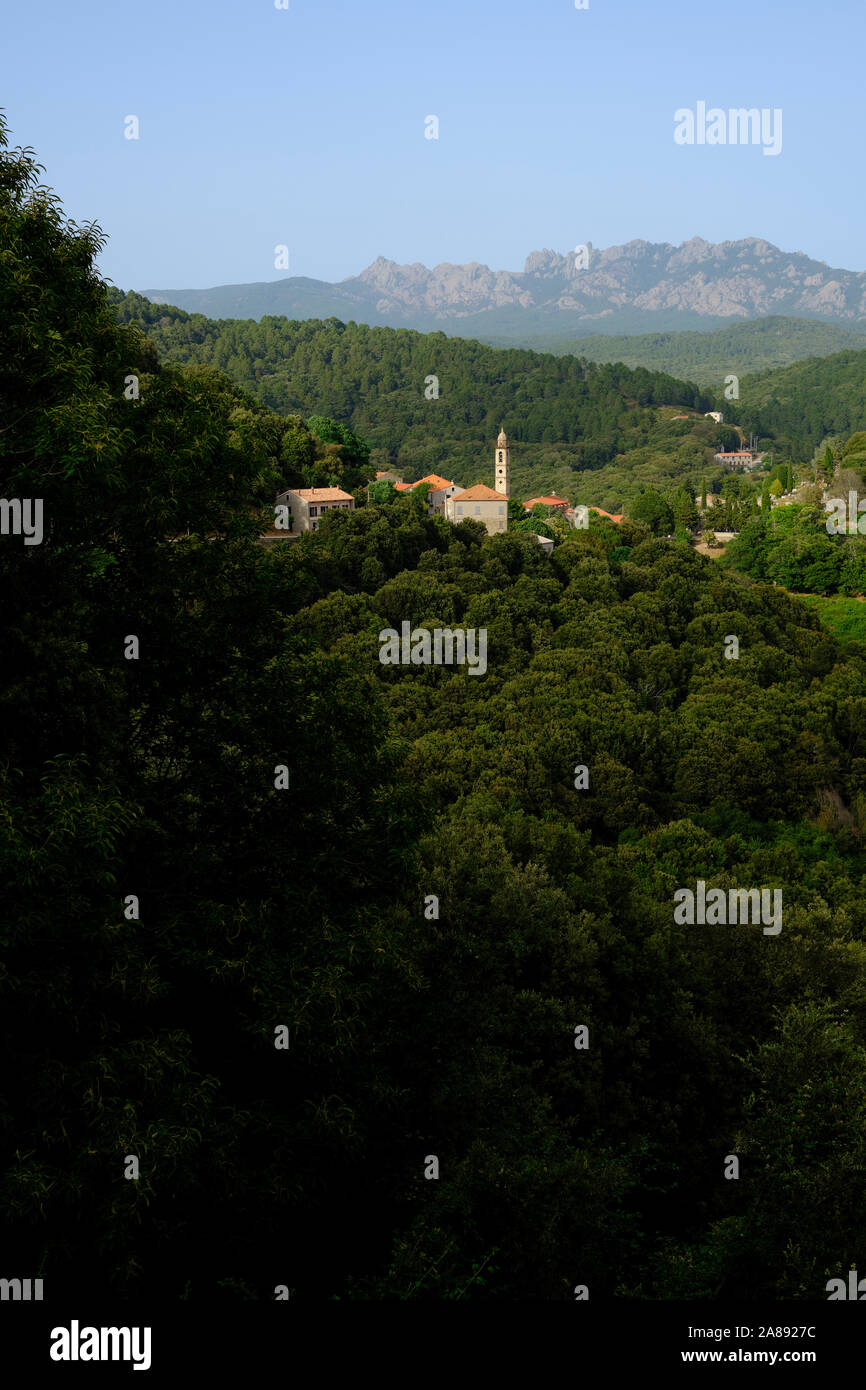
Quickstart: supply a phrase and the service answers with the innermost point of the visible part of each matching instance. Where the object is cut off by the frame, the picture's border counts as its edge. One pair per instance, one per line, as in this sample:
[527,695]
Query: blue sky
[305,127]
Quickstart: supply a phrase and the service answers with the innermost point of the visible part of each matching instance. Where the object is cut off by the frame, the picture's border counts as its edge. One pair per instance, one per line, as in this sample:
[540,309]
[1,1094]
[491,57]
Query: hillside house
[574,514]
[739,458]
[307,505]
[440,490]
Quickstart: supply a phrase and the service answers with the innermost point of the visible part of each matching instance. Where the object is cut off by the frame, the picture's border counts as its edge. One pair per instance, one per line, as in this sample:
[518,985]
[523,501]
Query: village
[302,509]
[299,511]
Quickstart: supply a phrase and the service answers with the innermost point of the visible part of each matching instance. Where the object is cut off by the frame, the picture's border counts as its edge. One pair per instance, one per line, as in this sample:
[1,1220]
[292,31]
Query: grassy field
[844,617]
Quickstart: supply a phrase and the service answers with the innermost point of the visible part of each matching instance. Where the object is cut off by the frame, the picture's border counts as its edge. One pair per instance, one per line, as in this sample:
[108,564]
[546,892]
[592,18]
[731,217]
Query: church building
[482,503]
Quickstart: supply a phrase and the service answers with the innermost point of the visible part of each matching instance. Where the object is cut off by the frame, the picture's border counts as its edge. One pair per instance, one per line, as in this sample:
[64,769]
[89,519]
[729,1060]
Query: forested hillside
[754,345]
[600,432]
[225,817]
[575,426]
[798,406]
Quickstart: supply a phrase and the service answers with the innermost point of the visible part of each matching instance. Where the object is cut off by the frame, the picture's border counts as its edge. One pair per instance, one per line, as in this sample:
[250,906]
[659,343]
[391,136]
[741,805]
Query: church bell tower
[501,469]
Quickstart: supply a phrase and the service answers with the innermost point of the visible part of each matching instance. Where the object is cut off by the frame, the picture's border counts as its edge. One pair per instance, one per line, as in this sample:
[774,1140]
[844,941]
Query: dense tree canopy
[796,407]
[247,827]
[575,426]
[801,546]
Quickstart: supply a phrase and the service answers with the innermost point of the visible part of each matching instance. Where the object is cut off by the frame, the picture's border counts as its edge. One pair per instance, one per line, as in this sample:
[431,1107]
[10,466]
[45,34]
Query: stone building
[307,505]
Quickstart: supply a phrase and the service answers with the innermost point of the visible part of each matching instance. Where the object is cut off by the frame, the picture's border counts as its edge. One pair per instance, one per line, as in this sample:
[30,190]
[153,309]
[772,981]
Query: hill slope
[606,427]
[799,405]
[754,346]
[468,949]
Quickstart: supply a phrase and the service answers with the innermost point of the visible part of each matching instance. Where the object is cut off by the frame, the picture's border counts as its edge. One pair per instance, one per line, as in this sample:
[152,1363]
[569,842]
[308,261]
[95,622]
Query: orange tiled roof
[479,493]
[321,494]
[552,501]
[436,482]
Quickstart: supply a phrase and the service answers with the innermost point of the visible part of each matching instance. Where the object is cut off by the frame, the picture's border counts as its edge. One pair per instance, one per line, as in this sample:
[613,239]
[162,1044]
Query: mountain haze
[639,287]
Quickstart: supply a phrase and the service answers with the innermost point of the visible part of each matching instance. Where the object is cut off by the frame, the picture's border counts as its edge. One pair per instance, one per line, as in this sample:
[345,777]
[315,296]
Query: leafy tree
[297,451]
[653,510]
[382,492]
[685,513]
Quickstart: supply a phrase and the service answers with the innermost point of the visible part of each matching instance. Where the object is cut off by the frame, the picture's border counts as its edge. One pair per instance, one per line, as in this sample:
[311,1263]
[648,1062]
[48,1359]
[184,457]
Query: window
[477,511]
[314,511]
[501,511]
[500,455]
[459,509]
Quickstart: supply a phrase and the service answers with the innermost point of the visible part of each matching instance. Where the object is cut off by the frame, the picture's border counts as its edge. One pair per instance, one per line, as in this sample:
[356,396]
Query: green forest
[602,431]
[802,545]
[600,434]
[224,817]
[741,347]
[795,550]
[798,406]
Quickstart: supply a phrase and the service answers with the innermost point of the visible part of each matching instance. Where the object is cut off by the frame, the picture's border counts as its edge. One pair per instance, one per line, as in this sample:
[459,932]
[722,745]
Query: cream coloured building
[440,490]
[479,503]
[307,505]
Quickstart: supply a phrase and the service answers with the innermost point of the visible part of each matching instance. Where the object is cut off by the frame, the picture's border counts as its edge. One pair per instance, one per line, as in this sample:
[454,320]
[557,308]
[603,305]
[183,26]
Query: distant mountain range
[641,287]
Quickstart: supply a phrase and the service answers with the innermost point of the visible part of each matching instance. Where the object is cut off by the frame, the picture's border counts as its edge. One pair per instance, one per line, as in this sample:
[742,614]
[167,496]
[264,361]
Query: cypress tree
[765,499]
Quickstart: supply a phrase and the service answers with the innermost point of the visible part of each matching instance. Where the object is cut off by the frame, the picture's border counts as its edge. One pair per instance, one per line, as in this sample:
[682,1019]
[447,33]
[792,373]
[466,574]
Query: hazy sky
[305,127]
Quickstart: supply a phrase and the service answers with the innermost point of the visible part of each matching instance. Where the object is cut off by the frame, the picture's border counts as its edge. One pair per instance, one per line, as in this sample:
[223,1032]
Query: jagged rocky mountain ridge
[639,287]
